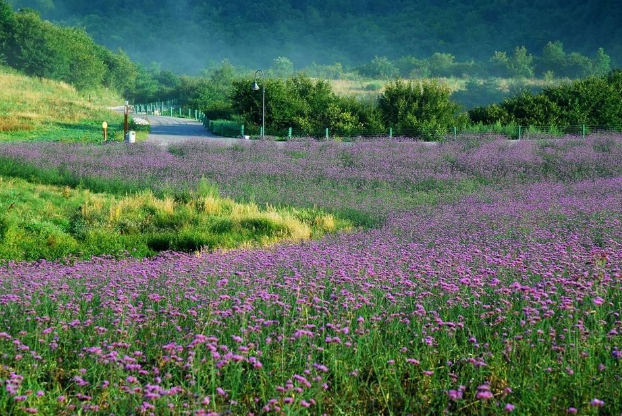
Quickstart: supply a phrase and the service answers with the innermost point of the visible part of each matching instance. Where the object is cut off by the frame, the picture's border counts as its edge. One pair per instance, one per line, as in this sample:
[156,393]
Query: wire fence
[227,128]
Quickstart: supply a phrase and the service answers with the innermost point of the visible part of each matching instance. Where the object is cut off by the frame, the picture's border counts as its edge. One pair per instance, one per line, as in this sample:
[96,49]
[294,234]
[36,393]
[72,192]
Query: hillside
[189,34]
[41,109]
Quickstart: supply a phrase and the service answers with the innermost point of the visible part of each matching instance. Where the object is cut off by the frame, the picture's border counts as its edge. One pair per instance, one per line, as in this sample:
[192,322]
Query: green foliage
[520,65]
[479,92]
[301,103]
[602,63]
[425,108]
[574,65]
[595,101]
[40,221]
[346,31]
[7,23]
[380,67]
[42,49]
[441,64]
[282,67]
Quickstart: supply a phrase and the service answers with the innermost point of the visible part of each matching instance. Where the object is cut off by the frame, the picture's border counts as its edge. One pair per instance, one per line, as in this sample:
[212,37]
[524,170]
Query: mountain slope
[188,34]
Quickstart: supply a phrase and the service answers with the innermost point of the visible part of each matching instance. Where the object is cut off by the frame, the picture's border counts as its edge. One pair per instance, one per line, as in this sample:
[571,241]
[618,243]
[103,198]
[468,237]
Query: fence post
[242,130]
[455,133]
[171,108]
[583,131]
[289,133]
[179,111]
[519,132]
[326,133]
[390,132]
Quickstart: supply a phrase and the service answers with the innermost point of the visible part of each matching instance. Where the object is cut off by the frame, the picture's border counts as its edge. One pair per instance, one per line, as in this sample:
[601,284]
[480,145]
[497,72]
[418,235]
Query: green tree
[426,108]
[554,58]
[442,64]
[282,67]
[521,64]
[7,23]
[121,74]
[595,101]
[601,64]
[380,67]
[501,63]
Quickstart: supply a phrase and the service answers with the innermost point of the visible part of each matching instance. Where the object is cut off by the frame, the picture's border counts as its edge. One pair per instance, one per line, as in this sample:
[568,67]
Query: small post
[105,129]
[171,111]
[196,114]
[519,132]
[289,133]
[179,111]
[390,132]
[125,126]
[326,133]
[242,130]
[455,133]
[583,131]
[189,110]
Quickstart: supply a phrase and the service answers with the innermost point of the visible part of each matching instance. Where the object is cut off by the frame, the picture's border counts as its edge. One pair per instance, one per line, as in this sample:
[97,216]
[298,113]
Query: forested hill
[185,35]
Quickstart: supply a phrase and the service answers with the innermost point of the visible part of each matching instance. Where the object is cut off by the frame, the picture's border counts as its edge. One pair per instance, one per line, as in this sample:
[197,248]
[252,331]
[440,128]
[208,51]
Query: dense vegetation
[42,49]
[54,222]
[595,101]
[189,34]
[492,285]
[41,109]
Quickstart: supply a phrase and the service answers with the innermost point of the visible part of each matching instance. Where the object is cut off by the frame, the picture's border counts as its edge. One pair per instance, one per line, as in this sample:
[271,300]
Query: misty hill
[185,35]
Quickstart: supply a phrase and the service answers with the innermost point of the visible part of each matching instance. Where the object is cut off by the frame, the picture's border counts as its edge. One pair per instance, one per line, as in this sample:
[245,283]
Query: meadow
[42,109]
[480,276]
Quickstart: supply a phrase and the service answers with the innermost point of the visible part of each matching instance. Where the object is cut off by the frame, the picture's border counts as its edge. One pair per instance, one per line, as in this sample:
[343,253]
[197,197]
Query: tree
[601,64]
[380,67]
[282,67]
[7,22]
[521,64]
[442,64]
[121,74]
[594,101]
[554,58]
[426,108]
[501,63]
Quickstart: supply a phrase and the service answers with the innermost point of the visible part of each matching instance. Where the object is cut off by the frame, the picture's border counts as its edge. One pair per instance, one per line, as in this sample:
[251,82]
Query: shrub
[425,108]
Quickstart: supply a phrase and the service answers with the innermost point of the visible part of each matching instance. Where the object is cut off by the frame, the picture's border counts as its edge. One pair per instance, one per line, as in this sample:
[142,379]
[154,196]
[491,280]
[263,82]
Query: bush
[595,101]
[425,108]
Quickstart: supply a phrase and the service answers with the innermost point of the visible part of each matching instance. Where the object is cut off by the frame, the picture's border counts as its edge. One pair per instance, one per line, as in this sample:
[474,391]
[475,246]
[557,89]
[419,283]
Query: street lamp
[255,87]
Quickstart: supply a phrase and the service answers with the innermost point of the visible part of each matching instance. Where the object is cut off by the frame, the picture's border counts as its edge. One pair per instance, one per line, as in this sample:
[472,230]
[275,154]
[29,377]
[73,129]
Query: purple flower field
[492,285]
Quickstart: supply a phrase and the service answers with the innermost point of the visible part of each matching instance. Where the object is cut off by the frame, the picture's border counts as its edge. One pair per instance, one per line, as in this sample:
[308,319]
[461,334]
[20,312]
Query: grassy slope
[43,221]
[40,109]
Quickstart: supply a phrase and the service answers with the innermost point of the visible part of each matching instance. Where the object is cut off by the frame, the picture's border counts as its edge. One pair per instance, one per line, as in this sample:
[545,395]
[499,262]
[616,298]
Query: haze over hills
[186,35]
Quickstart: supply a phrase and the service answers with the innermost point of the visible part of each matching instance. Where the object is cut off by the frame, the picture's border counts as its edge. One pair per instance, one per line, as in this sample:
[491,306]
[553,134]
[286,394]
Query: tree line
[424,107]
[43,49]
[351,32]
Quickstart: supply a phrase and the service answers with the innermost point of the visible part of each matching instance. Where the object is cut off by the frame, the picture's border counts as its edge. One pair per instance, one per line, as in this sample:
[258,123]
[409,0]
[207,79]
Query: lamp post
[263,99]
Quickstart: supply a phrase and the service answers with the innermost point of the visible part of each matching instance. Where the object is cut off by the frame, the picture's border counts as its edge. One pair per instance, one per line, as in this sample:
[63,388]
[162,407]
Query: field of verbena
[491,283]
[363,180]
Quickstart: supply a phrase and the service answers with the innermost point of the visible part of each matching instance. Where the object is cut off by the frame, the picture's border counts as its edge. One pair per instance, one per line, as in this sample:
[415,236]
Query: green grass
[40,109]
[53,222]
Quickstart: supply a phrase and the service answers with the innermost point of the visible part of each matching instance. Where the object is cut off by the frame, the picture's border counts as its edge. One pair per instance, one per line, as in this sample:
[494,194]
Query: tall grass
[53,222]
[36,108]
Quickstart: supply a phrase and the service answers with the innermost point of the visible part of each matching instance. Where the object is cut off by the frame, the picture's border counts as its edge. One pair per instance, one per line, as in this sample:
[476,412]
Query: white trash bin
[131,137]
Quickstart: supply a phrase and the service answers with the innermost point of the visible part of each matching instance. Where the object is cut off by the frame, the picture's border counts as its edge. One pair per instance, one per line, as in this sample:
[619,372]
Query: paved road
[168,130]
